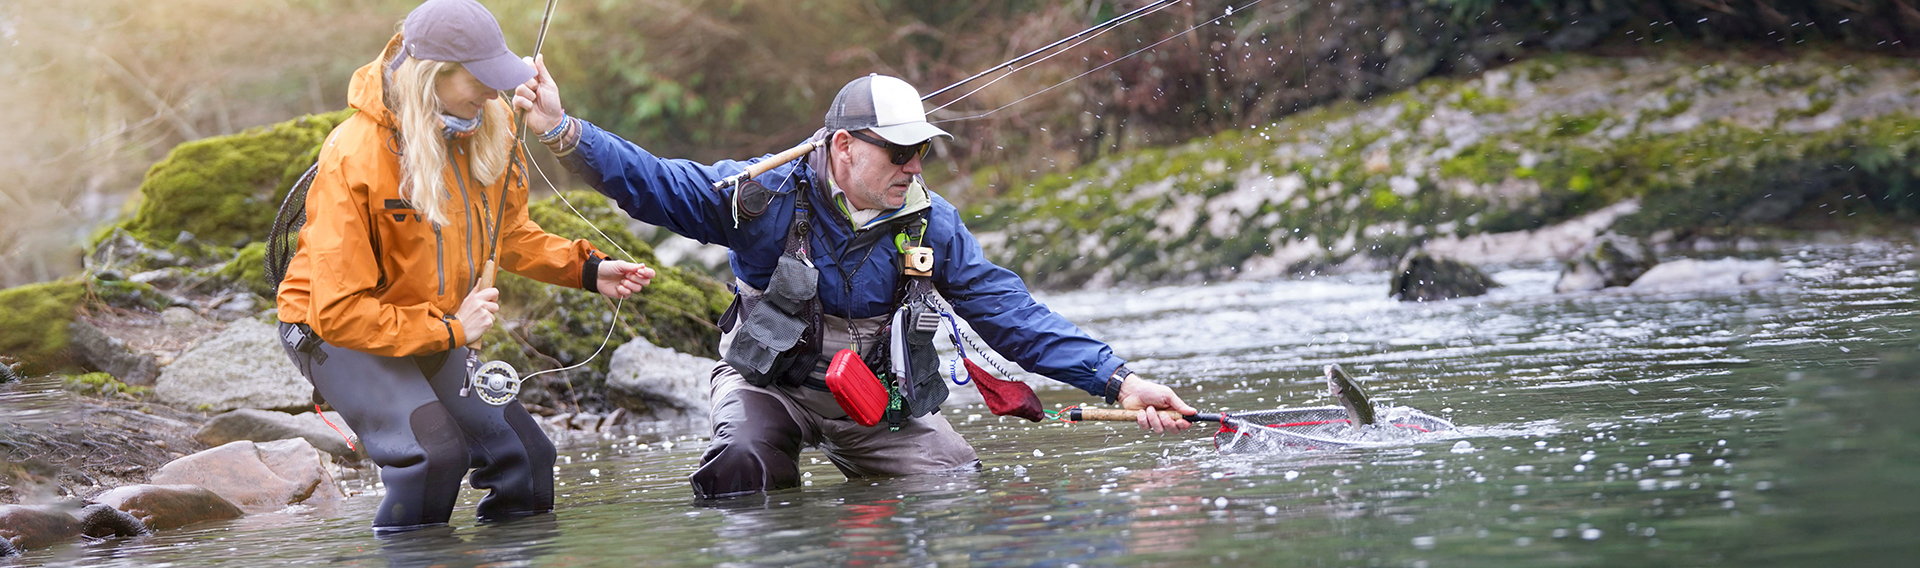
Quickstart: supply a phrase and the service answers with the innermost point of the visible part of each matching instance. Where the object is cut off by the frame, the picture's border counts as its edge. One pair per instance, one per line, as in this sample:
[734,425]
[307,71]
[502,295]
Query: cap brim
[910,133]
[503,72]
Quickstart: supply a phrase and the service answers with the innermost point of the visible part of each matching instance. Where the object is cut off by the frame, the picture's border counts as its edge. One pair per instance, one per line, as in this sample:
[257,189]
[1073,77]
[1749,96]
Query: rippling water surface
[1766,425]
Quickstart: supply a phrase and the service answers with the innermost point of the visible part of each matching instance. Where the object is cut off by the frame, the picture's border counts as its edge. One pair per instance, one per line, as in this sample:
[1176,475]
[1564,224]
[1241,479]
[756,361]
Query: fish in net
[1319,428]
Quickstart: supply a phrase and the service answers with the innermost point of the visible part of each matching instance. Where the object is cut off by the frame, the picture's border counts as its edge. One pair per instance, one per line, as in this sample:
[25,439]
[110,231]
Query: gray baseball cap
[464,32]
[887,105]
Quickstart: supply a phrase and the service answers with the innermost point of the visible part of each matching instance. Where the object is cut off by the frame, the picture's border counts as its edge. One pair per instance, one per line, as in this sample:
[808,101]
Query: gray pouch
[764,335]
[794,282]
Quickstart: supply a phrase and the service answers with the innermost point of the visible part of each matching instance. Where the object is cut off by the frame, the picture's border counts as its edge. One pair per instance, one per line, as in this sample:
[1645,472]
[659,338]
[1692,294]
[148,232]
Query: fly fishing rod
[1355,422]
[497,382]
[791,154]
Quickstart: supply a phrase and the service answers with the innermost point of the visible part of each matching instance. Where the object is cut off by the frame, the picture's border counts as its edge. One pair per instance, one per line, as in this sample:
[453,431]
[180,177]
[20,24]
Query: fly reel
[495,382]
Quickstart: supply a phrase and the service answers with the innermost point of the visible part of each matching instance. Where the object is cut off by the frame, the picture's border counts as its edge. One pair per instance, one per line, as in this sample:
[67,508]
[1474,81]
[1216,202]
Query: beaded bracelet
[552,136]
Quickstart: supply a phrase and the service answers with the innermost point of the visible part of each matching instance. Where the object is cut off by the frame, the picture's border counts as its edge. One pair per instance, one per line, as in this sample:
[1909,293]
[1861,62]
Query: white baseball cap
[886,105]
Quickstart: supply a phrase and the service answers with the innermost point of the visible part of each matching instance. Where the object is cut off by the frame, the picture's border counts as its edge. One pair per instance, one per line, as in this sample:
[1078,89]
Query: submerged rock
[657,383]
[241,367]
[1611,260]
[1423,278]
[36,527]
[257,477]
[162,507]
[269,425]
[1689,275]
[100,520]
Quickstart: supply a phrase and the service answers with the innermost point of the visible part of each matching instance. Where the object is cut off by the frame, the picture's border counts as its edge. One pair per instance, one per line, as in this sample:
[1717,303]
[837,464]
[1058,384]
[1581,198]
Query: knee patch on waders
[435,477]
[756,447]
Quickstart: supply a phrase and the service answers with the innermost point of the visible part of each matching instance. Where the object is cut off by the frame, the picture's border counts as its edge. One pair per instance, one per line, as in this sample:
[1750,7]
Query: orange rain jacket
[371,274]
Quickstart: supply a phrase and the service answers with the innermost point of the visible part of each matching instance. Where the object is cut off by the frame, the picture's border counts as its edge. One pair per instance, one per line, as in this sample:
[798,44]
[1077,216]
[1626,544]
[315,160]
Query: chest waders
[415,415]
[778,340]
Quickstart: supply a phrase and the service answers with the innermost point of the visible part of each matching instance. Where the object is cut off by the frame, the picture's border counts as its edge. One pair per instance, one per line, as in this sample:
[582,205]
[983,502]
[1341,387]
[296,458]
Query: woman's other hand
[620,279]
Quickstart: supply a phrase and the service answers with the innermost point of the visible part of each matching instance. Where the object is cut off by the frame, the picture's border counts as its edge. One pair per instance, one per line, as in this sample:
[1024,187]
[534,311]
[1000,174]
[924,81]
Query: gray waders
[425,436]
[770,399]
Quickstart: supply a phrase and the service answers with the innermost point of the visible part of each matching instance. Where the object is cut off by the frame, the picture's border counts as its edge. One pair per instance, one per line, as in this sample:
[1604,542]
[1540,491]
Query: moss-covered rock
[34,319]
[546,326]
[248,270]
[33,323]
[224,190]
[1709,145]
[98,384]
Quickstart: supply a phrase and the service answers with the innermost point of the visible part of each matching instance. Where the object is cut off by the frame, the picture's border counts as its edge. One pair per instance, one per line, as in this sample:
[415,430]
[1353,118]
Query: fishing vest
[776,333]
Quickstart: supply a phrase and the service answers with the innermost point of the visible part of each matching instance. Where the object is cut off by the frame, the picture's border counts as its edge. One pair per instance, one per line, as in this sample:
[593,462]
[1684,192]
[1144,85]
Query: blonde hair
[423,159]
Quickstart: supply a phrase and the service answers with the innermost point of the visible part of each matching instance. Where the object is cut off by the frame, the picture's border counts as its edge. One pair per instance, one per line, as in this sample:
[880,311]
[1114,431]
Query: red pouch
[1005,398]
[856,389]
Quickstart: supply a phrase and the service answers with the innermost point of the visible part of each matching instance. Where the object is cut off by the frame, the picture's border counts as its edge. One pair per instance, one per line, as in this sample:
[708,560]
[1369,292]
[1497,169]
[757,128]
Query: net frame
[1318,428]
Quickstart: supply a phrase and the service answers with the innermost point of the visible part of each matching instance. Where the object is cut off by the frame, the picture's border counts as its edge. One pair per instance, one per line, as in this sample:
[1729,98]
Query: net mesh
[1319,428]
[284,239]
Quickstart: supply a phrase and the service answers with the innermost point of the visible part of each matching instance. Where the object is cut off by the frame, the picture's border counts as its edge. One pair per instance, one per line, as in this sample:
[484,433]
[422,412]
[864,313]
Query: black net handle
[284,240]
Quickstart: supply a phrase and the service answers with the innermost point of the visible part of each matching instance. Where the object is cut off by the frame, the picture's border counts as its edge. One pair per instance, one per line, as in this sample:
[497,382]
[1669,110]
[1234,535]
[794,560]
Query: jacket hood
[367,91]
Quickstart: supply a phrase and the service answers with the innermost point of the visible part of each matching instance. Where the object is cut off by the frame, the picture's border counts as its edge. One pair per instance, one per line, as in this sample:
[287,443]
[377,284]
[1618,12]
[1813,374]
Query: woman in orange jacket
[415,194]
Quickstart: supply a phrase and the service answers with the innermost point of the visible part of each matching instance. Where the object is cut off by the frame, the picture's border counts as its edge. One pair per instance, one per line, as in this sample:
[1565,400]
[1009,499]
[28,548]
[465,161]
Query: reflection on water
[1753,426]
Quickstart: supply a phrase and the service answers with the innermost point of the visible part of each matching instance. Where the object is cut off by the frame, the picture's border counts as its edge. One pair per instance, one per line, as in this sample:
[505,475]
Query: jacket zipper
[466,205]
[440,259]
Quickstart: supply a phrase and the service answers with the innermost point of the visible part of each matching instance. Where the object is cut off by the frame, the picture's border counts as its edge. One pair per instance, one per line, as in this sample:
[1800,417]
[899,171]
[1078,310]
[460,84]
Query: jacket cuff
[1113,383]
[590,273]
[456,334]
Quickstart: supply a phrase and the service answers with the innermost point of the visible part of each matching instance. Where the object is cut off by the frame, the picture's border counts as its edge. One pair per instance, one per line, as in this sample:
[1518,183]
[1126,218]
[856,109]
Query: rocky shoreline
[1686,150]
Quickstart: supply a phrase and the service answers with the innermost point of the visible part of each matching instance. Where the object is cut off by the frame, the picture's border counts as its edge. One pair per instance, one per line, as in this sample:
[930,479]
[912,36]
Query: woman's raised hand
[539,98]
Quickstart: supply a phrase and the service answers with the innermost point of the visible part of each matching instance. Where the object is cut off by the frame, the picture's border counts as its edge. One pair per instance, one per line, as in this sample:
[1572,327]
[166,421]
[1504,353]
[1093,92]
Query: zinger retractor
[495,382]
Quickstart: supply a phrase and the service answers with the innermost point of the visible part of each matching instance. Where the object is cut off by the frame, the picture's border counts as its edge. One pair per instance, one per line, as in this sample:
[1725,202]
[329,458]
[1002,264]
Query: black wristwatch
[1113,383]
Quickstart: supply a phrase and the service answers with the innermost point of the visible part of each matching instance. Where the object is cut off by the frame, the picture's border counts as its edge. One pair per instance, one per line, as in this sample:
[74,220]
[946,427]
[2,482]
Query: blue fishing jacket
[859,271]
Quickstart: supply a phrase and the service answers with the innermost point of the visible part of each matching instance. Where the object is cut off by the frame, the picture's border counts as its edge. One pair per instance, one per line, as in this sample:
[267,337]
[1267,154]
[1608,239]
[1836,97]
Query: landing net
[1319,428]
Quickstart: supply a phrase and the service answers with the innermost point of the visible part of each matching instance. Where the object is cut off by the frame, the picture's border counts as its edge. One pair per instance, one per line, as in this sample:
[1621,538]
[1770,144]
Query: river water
[1766,425]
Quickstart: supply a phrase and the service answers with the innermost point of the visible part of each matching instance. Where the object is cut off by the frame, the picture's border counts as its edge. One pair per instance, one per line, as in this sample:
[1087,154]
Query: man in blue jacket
[820,247]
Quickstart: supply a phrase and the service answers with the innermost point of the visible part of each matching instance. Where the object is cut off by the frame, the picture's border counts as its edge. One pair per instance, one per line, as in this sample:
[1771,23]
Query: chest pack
[776,334]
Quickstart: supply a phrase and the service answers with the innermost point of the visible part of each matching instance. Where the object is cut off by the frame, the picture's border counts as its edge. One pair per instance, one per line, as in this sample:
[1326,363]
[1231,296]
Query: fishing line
[1229,12]
[1120,20]
[615,320]
[1009,63]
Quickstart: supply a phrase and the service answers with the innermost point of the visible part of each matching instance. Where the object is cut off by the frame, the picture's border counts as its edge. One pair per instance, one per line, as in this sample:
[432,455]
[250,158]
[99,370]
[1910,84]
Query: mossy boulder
[34,319]
[248,270]
[1709,145]
[224,190]
[33,323]
[544,326]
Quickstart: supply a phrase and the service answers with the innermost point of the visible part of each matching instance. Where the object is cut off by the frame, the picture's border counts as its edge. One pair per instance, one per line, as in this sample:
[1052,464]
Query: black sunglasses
[896,153]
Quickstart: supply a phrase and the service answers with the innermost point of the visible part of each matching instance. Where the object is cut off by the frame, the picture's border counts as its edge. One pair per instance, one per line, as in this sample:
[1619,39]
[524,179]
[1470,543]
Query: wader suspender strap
[802,223]
[915,283]
[797,245]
